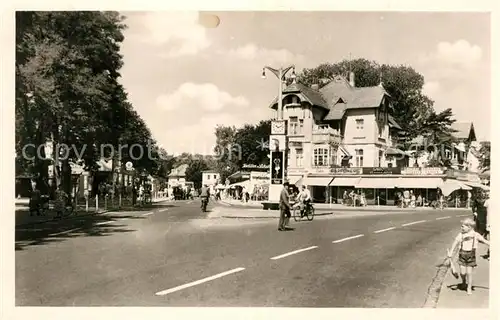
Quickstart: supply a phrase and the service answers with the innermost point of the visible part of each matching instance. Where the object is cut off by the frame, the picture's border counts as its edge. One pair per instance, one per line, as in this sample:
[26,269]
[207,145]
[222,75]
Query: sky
[184,76]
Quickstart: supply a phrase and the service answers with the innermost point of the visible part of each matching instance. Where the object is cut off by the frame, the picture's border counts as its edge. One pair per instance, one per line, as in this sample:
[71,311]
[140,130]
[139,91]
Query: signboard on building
[257,167]
[346,171]
[277,167]
[380,170]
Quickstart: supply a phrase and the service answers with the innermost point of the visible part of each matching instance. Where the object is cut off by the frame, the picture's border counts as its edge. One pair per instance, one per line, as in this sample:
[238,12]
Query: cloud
[460,53]
[194,96]
[180,32]
[451,60]
[252,52]
[431,88]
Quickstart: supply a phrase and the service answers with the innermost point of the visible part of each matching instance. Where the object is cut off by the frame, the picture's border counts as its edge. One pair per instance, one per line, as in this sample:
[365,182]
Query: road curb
[436,285]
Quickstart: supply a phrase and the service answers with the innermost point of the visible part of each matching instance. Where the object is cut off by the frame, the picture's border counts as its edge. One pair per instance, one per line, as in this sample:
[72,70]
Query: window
[299,158]
[359,157]
[321,157]
[333,157]
[360,124]
[296,126]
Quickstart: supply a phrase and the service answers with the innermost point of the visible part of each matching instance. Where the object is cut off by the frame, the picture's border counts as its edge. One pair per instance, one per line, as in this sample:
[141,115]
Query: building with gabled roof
[342,138]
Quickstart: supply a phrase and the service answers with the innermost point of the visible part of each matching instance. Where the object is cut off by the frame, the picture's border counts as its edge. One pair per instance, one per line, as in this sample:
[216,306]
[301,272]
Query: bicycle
[308,213]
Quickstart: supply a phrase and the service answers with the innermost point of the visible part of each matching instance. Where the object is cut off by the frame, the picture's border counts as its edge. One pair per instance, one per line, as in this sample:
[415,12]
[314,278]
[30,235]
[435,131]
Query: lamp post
[280,74]
[277,151]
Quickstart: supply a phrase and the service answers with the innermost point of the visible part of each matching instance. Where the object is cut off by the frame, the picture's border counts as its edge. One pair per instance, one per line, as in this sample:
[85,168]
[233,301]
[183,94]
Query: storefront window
[391,194]
[369,194]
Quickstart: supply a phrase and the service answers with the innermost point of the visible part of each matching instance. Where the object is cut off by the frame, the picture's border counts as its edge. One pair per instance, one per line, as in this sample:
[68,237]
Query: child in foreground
[468,240]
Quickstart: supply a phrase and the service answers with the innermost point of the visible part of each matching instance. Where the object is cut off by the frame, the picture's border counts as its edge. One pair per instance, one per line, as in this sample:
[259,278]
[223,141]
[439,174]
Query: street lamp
[277,159]
[280,74]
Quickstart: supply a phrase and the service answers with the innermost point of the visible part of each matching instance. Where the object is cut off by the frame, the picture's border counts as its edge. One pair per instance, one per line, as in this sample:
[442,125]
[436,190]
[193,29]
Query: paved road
[172,256]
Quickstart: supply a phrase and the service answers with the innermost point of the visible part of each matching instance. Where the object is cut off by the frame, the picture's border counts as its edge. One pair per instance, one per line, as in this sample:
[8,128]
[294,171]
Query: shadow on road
[60,230]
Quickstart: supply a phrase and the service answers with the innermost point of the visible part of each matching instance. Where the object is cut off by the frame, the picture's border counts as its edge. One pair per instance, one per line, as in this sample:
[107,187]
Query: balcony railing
[325,133]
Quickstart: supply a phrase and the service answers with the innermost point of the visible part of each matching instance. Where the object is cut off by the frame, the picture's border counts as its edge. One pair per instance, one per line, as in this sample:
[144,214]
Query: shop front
[380,186]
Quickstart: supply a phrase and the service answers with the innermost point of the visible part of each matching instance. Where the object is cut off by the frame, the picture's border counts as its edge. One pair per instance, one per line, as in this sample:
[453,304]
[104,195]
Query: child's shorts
[467,258]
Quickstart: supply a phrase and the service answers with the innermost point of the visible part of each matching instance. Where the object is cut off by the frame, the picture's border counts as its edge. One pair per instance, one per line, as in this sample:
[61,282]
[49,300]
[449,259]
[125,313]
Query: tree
[194,171]
[485,158]
[410,107]
[67,90]
[226,151]
[254,143]
[237,147]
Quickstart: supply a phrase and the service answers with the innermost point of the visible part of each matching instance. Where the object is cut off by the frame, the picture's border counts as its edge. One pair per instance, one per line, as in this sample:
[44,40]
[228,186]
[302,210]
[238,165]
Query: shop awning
[344,182]
[421,183]
[317,181]
[242,184]
[475,185]
[452,185]
[294,180]
[378,183]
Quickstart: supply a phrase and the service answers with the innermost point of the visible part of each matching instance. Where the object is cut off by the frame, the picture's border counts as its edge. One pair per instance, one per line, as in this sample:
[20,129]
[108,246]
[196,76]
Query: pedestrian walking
[35,204]
[468,240]
[284,208]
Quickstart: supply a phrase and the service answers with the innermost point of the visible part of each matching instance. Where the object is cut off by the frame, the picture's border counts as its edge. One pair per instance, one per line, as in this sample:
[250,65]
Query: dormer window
[294,100]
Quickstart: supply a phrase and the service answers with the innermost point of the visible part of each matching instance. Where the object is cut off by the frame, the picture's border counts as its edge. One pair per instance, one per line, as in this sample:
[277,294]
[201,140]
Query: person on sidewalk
[284,208]
[487,221]
[468,240]
[35,201]
[480,211]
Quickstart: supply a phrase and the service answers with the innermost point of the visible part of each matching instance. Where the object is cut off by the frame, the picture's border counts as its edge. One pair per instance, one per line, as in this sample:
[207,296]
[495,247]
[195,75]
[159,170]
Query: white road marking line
[104,222]
[383,230]
[293,252]
[148,214]
[348,238]
[163,210]
[187,285]
[189,202]
[64,232]
[463,215]
[412,223]
[441,218]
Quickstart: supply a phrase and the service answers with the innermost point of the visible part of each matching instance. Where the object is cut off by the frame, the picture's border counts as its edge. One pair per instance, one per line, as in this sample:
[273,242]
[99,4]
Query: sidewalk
[23,215]
[327,206]
[453,298]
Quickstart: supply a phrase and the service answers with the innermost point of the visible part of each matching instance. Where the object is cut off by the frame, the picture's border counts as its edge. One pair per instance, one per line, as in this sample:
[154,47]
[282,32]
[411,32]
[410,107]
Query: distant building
[210,178]
[177,177]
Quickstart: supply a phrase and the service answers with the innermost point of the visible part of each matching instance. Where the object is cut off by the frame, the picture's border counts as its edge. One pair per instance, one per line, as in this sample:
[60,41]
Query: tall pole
[280,74]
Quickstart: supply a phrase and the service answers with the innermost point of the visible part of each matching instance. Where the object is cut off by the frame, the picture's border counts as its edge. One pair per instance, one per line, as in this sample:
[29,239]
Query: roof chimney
[315,86]
[351,79]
